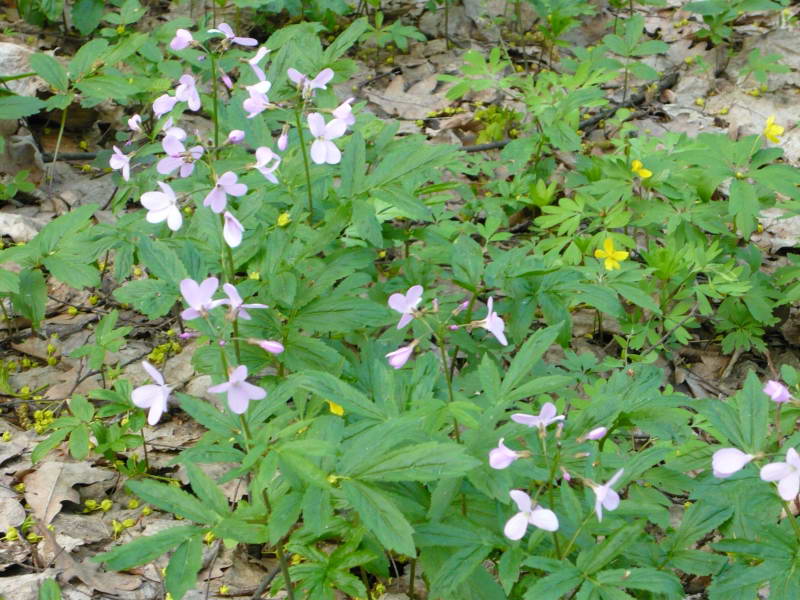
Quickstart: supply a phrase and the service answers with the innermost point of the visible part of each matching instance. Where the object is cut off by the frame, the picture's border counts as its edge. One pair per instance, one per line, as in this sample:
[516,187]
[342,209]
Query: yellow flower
[773,131]
[336,409]
[284,219]
[638,168]
[612,257]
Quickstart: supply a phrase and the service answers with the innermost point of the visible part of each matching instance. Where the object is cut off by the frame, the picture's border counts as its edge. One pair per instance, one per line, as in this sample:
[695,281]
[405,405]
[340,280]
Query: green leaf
[457,568]
[596,557]
[51,235]
[428,461]
[125,48]
[380,516]
[49,590]
[184,564]
[144,549]
[555,585]
[77,275]
[31,300]
[526,358]
[467,261]
[49,69]
[86,15]
[328,387]
[173,500]
[153,298]
[345,40]
[162,261]
[102,87]
[16,107]
[698,519]
[404,160]
[44,447]
[52,9]
[85,57]
[365,222]
[242,531]
[206,489]
[651,580]
[9,282]
[635,295]
[353,165]
[207,415]
[338,313]
[79,442]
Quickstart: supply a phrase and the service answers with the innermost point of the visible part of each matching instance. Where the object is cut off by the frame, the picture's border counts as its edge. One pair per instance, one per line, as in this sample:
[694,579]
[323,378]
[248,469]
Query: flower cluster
[408,306]
[502,457]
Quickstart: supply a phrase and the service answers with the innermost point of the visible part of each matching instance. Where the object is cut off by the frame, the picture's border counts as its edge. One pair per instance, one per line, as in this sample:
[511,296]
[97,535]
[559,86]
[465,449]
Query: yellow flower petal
[636,165]
[608,246]
[336,409]
[772,131]
[644,173]
[610,264]
[599,253]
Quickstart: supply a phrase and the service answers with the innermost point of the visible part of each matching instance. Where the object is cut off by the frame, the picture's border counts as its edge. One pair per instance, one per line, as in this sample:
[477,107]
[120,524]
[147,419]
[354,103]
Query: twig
[264,583]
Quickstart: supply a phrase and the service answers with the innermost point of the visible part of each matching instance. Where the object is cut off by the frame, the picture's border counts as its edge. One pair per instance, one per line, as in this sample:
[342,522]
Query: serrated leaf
[49,69]
[173,500]
[328,387]
[144,549]
[16,107]
[151,297]
[528,355]
[596,557]
[422,462]
[49,590]
[184,564]
[31,299]
[380,516]
[206,489]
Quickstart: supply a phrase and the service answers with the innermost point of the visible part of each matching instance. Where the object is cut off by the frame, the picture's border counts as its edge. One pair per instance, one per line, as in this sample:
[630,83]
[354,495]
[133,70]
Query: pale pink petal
[521,499]
[516,527]
[544,518]
[153,372]
[789,486]
[316,124]
[727,461]
[335,129]
[318,152]
[144,396]
[271,346]
[775,471]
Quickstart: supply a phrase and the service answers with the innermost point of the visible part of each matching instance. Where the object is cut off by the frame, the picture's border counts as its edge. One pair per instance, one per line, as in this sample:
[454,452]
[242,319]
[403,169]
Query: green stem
[287,580]
[575,537]
[307,167]
[449,380]
[228,272]
[215,102]
[550,478]
[58,144]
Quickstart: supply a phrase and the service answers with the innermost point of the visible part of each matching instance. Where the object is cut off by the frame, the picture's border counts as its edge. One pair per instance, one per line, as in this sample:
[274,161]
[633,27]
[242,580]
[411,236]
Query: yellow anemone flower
[612,257]
[638,168]
[772,131]
[336,409]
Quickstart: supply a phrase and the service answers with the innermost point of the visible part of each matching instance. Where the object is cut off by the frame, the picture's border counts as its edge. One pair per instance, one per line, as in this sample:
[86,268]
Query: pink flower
[239,391]
[173,140]
[344,112]
[187,92]
[162,206]
[258,101]
[595,434]
[517,525]
[121,161]
[236,136]
[283,138]
[545,417]
[151,396]
[323,150]
[183,39]
[226,80]
[400,357]
[727,461]
[232,230]
[237,305]
[307,85]
[253,62]
[135,123]
[605,497]
[226,185]
[493,323]
[406,304]
[163,104]
[199,297]
[181,159]
[266,162]
[777,391]
[502,456]
[230,37]
[787,474]
[271,346]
